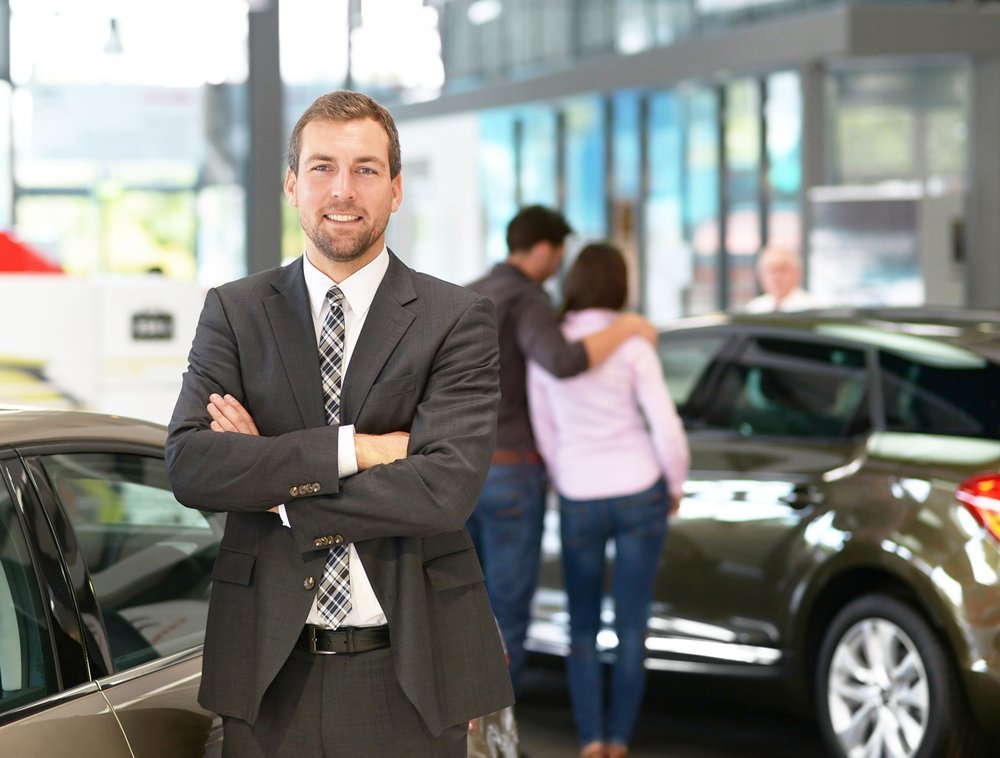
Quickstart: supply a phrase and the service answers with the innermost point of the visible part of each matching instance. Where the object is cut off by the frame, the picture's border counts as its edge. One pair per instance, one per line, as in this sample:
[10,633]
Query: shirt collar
[359,288]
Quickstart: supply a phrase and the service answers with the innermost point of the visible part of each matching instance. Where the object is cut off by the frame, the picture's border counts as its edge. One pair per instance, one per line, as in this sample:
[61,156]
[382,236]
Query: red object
[980,494]
[16,256]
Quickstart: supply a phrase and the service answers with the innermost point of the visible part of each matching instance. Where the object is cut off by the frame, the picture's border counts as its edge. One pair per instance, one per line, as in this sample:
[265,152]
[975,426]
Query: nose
[342,185]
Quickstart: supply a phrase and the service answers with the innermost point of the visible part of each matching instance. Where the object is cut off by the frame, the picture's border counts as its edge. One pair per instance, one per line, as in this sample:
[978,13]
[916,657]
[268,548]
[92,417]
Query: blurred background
[142,154]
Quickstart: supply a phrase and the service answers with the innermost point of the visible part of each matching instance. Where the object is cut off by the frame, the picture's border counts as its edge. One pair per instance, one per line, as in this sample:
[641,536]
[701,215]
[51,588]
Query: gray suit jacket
[427,362]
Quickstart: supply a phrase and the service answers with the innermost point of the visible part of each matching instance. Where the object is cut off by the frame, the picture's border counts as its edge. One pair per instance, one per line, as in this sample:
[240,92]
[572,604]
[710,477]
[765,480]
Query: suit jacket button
[315,487]
[338,539]
[293,491]
[321,541]
[309,583]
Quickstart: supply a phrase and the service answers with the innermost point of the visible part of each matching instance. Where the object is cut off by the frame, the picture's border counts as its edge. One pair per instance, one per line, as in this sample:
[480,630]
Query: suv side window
[149,558]
[685,358]
[27,670]
[941,396]
[793,389]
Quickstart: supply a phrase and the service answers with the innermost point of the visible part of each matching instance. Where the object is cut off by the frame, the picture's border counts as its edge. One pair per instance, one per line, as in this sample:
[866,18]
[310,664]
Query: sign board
[116,123]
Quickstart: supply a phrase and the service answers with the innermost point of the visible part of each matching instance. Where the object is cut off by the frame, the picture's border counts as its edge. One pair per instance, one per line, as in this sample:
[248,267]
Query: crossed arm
[228,415]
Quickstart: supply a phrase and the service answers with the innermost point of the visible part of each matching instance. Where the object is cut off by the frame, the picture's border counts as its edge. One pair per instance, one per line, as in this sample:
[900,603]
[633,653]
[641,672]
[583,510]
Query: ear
[397,192]
[291,181]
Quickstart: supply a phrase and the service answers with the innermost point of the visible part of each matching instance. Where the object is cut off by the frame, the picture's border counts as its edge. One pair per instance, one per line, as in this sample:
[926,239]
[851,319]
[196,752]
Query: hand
[374,449]
[641,327]
[675,505]
[228,415]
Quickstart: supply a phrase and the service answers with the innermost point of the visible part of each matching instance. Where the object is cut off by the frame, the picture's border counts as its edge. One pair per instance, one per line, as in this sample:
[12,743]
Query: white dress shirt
[796,300]
[359,291]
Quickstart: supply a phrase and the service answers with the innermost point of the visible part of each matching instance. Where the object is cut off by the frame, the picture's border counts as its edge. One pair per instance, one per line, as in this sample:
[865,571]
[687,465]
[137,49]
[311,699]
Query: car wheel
[885,685]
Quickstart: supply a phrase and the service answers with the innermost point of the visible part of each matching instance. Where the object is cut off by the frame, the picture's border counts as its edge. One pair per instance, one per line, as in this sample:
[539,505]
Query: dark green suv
[841,524]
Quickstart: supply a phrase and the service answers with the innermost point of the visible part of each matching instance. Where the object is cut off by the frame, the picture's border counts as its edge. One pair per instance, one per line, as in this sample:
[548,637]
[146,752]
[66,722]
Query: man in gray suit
[342,411]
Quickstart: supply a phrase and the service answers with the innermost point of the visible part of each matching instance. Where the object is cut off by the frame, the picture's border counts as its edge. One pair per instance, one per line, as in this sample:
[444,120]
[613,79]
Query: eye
[366,170]
[321,167]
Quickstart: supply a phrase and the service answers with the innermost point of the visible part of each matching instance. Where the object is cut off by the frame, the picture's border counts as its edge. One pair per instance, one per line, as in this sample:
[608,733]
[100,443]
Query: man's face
[343,191]
[554,256]
[779,275]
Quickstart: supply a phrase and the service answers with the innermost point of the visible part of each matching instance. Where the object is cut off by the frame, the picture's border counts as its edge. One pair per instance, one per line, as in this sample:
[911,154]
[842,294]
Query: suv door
[770,425]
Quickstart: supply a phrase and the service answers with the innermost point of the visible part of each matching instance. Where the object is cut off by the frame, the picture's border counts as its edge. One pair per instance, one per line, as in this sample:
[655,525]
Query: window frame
[69,585]
[61,622]
[101,655]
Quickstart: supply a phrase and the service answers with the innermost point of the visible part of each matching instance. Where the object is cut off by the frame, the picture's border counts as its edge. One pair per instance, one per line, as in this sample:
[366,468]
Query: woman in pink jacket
[617,455]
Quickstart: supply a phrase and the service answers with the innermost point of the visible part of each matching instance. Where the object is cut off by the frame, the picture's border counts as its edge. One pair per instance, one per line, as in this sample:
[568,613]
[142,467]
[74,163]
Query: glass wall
[888,224]
[149,177]
[689,182]
[667,258]
[701,198]
[497,179]
[742,125]
[586,160]
[783,121]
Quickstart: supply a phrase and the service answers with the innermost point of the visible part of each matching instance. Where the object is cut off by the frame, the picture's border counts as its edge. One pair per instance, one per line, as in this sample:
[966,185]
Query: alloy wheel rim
[878,695]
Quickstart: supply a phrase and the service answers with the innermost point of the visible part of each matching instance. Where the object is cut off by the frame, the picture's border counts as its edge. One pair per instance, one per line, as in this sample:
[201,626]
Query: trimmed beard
[341,251]
[344,252]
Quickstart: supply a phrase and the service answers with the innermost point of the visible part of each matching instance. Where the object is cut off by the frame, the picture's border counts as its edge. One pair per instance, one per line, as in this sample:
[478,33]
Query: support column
[812,150]
[267,138]
[982,230]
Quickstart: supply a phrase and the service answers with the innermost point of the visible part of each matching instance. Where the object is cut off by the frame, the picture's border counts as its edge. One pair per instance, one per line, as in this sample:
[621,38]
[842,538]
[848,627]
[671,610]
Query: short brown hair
[598,278]
[344,105]
[535,224]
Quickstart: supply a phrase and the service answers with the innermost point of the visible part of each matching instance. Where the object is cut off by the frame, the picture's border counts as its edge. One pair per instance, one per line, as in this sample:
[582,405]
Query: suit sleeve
[434,489]
[234,472]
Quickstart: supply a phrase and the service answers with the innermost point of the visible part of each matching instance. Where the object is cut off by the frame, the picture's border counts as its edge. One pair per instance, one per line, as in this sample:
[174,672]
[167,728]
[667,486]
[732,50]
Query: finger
[236,419]
[240,416]
[214,426]
[219,418]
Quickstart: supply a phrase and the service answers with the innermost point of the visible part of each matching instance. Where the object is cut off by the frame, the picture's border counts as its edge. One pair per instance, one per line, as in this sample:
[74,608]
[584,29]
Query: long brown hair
[598,278]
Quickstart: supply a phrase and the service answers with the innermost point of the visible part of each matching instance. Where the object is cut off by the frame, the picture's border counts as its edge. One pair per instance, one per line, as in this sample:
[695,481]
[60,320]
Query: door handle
[803,496]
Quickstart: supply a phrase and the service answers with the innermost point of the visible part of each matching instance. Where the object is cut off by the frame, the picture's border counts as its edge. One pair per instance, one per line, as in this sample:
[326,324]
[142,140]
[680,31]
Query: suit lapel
[385,325]
[291,323]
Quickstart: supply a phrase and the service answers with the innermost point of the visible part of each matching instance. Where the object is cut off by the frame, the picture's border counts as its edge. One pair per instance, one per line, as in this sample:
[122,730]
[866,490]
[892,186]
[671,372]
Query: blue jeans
[638,525]
[506,528]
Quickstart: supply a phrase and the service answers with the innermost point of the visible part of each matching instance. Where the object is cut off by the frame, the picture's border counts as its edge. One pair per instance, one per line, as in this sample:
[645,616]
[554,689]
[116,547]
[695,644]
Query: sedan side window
[793,389]
[27,671]
[149,558]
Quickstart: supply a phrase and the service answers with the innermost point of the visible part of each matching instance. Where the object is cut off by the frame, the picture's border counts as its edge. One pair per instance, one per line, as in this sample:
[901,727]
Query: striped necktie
[334,596]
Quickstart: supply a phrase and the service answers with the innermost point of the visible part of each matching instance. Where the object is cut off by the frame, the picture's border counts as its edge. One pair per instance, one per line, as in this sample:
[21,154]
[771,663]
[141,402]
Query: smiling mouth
[342,217]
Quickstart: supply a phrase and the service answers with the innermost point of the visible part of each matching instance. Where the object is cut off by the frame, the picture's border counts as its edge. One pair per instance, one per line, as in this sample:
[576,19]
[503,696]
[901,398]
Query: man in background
[506,526]
[779,271]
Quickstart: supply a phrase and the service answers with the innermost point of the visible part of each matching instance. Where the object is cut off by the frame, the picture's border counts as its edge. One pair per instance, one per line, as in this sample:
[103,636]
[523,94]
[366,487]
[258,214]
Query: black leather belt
[349,639]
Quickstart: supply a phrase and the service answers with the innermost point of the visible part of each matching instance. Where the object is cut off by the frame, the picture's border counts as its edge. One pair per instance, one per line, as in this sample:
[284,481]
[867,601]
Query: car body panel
[157,707]
[79,722]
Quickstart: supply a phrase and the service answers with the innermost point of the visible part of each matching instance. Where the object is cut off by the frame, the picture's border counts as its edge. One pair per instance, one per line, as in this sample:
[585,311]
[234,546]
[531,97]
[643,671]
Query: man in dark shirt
[506,525]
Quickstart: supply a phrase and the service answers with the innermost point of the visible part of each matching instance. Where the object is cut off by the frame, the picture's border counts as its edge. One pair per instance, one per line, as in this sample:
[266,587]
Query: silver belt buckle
[312,644]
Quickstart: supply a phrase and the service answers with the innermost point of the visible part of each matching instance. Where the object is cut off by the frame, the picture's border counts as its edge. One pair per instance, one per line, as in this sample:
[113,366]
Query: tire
[885,685]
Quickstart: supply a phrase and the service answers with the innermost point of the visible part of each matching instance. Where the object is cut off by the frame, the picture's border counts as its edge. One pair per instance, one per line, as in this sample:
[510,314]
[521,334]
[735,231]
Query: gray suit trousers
[339,706]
